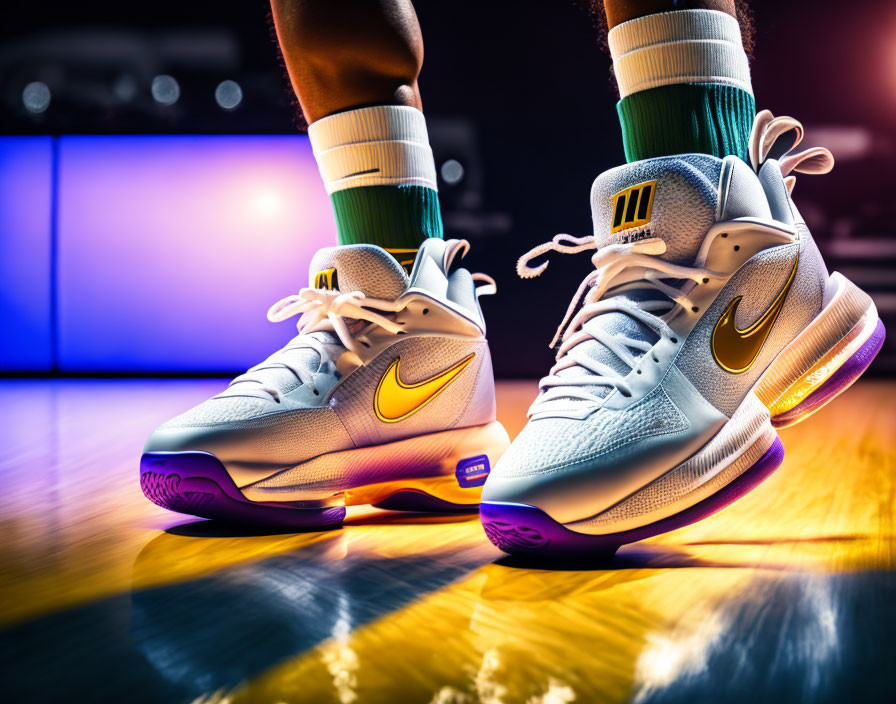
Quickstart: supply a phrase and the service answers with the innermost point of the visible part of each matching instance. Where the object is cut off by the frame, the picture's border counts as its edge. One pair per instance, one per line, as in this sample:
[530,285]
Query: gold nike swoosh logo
[734,349]
[394,400]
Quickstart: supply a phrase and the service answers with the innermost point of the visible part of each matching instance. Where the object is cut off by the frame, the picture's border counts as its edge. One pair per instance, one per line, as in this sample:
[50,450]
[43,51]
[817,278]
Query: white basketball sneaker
[385,397]
[709,320]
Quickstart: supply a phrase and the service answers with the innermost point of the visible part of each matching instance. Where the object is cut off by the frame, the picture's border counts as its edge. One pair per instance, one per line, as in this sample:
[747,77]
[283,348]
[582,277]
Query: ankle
[378,168]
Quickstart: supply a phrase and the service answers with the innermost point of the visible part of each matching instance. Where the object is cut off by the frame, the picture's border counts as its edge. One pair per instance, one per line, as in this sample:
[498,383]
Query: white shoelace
[319,305]
[350,315]
[768,129]
[609,262]
[324,311]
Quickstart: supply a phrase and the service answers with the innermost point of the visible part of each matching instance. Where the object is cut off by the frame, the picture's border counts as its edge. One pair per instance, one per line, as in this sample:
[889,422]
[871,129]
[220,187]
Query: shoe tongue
[613,323]
[673,198]
[358,267]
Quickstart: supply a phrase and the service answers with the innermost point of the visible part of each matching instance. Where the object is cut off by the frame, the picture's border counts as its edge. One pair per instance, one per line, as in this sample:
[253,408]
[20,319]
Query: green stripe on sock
[397,217]
[706,118]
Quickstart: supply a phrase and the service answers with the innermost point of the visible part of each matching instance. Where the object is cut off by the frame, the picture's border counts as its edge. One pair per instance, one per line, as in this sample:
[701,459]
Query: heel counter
[741,192]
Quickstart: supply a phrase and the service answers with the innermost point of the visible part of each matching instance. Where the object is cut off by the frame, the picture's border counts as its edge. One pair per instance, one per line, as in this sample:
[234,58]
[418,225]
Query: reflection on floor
[787,595]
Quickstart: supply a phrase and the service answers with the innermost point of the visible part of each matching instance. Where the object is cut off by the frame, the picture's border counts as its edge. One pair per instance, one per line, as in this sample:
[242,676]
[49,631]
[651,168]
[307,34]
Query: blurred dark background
[521,108]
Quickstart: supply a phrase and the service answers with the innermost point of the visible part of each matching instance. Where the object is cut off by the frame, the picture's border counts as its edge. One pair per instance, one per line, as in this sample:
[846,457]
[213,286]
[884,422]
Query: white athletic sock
[385,145]
[682,46]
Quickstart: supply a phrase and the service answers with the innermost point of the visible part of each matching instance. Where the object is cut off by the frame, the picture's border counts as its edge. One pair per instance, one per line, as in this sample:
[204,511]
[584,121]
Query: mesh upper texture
[700,474]
[217,410]
[759,280]
[361,267]
[280,438]
[684,204]
[550,444]
[273,375]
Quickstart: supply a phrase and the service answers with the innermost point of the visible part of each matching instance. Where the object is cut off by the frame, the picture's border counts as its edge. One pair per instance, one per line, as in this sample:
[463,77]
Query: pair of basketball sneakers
[708,321]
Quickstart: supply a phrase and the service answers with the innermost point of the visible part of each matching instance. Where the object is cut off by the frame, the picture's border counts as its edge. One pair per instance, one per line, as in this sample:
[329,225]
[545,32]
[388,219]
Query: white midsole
[432,457]
[743,440]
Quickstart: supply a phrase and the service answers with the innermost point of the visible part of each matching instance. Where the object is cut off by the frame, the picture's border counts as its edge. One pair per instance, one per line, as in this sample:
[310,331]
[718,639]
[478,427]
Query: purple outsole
[519,529]
[838,382]
[196,483]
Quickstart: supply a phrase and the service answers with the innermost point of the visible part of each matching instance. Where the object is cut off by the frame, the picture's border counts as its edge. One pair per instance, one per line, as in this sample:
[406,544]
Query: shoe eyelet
[315,392]
[638,371]
[695,309]
[737,248]
[673,340]
[425,311]
[706,281]
[724,234]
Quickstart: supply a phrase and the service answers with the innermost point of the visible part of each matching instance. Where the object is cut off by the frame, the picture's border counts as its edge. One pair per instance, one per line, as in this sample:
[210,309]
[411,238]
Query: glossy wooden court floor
[787,595]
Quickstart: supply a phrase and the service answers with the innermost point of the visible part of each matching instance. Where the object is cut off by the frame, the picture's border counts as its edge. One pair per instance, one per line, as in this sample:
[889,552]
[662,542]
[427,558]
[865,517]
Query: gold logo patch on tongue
[633,206]
[326,279]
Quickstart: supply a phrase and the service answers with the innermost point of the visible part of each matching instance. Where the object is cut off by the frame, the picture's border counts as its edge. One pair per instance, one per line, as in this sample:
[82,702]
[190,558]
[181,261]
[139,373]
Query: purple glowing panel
[26,177]
[472,471]
[171,249]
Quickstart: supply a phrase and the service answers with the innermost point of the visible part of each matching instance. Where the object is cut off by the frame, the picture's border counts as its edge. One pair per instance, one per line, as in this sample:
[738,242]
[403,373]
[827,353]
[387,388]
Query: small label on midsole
[472,471]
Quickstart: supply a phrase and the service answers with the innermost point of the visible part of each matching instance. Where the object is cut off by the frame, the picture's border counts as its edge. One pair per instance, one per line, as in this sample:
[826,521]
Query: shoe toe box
[252,438]
[573,469]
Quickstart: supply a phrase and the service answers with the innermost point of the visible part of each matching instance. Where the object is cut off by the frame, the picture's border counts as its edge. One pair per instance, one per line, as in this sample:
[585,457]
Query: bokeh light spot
[36,97]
